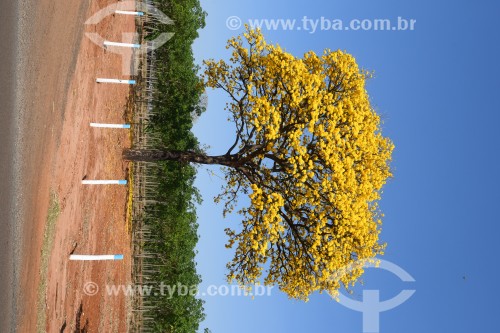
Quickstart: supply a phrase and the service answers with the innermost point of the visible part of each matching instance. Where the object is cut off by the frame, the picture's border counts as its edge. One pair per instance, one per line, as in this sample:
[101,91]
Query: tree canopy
[309,153]
[169,200]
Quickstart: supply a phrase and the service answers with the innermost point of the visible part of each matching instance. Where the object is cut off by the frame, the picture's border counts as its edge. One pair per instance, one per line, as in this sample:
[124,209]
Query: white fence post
[96,257]
[101,80]
[129,45]
[104,182]
[101,125]
[126,12]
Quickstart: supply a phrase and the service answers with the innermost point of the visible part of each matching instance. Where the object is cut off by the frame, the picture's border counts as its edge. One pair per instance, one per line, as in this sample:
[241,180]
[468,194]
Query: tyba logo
[129,38]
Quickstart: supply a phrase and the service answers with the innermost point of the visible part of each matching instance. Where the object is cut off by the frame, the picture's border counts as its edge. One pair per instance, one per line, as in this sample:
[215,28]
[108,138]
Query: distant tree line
[172,218]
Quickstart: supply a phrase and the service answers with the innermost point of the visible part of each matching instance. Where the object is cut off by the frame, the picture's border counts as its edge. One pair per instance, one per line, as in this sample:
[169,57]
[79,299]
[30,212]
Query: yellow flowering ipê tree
[309,153]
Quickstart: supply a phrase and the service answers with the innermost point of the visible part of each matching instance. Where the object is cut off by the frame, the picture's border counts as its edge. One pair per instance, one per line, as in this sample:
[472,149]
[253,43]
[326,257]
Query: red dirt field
[92,219]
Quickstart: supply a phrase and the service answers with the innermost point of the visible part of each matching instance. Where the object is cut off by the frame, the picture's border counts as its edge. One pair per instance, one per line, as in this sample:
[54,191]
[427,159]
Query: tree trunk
[152,155]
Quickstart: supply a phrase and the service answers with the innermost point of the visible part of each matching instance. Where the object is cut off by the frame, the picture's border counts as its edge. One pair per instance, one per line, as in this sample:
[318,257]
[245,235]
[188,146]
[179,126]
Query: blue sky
[437,90]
